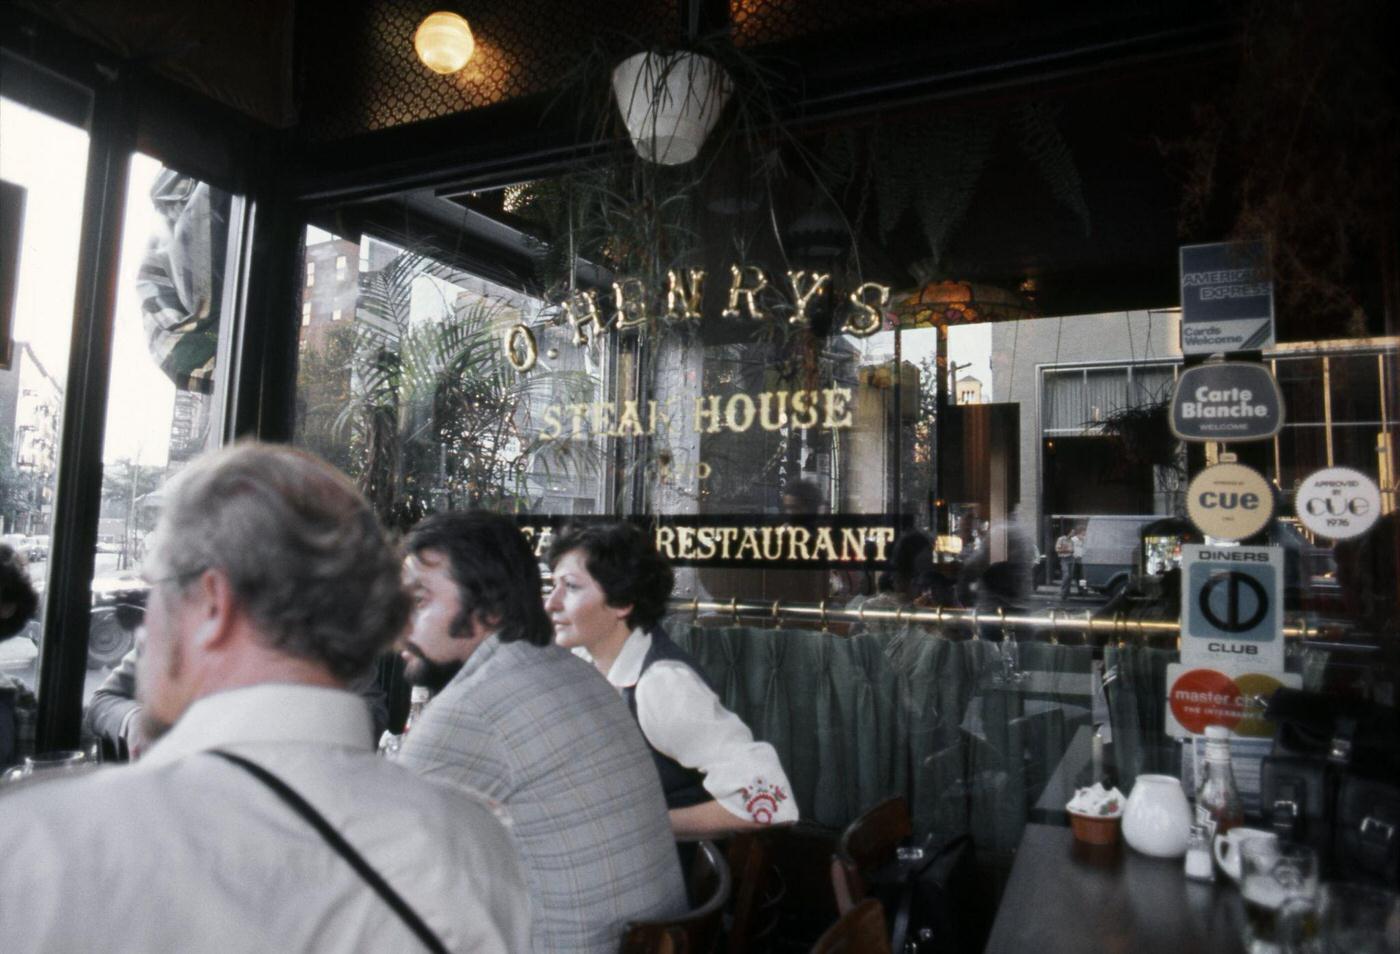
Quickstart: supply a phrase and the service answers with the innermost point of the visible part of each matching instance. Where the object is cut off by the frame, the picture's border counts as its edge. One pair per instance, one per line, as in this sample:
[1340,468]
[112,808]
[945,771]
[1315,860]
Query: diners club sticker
[1227,695]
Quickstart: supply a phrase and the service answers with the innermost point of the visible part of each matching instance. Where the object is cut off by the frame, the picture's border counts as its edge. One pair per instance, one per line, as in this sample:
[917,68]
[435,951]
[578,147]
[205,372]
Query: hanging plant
[1144,431]
[670,102]
[930,169]
[1302,150]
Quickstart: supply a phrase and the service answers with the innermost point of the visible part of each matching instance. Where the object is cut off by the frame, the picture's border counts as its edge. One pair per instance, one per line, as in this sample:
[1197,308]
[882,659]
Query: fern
[1045,146]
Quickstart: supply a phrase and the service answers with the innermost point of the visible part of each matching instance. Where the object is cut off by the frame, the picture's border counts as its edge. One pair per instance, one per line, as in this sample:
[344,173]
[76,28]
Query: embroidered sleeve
[683,719]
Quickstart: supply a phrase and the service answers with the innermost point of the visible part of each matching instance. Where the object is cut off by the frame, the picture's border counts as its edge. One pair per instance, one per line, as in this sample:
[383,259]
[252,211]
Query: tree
[125,481]
[22,489]
[323,390]
[436,418]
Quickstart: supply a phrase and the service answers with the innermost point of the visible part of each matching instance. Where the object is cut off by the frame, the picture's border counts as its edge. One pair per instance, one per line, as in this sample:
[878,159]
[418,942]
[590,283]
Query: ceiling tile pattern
[364,75]
[764,22]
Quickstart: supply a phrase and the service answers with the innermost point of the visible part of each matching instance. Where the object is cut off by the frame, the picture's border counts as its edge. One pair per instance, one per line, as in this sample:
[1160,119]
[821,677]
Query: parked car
[38,547]
[118,608]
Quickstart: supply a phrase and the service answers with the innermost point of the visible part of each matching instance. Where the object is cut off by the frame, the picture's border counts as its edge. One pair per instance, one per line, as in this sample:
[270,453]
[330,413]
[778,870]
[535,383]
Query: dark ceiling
[362,121]
[332,69]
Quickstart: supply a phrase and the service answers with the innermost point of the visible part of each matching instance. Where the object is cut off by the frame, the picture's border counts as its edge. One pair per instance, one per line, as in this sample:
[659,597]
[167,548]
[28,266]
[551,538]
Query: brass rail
[1056,621]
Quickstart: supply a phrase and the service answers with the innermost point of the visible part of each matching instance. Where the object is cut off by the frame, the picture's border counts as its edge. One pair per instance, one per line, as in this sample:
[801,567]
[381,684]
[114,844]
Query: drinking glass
[1008,671]
[45,763]
[1277,879]
[1350,919]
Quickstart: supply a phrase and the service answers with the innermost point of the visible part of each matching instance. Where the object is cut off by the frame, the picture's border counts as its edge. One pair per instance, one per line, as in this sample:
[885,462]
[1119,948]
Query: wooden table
[1064,896]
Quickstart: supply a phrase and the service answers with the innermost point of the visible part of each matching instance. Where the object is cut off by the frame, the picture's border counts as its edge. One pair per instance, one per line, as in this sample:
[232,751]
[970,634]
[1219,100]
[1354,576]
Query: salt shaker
[1198,854]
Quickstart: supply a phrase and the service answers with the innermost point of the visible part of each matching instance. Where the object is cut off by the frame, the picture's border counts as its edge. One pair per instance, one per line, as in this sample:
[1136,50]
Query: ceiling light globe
[444,42]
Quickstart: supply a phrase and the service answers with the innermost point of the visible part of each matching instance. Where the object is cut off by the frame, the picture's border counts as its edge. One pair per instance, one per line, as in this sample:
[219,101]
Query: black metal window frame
[125,109]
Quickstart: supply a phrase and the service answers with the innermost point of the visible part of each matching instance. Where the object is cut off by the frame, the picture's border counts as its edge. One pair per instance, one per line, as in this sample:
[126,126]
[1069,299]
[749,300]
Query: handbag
[1368,823]
[1295,796]
[1329,782]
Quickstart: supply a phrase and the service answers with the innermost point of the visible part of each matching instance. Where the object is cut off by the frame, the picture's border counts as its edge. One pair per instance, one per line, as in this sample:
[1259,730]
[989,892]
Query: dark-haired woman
[610,592]
[18,706]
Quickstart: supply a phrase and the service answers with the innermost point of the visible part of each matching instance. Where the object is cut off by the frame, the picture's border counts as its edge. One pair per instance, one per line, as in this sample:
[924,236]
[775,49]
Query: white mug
[1227,848]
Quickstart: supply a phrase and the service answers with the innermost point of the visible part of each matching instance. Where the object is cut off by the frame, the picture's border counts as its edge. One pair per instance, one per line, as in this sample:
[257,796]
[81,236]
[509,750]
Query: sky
[48,158]
[969,347]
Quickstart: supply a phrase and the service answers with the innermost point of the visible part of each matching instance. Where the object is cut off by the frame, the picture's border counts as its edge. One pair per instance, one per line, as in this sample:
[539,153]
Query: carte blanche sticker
[1338,503]
[1230,502]
[1229,401]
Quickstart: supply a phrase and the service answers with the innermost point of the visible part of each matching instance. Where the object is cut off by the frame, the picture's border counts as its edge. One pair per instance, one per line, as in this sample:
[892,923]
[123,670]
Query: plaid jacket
[542,732]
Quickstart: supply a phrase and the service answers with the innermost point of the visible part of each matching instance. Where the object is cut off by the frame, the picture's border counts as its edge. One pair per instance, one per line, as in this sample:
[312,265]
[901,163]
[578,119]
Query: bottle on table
[417,699]
[389,743]
[1218,807]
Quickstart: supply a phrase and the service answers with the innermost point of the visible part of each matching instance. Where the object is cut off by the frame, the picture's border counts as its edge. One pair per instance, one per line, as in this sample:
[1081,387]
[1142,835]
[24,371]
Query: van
[1111,548]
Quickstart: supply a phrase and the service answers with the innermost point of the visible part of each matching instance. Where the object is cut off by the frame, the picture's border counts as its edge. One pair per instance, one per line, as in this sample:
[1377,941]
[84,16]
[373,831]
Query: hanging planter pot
[670,102]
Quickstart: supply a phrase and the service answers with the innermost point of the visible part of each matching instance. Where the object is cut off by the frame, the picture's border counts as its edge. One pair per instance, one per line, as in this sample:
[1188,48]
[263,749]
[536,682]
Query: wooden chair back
[866,844]
[698,930]
[860,930]
[758,889]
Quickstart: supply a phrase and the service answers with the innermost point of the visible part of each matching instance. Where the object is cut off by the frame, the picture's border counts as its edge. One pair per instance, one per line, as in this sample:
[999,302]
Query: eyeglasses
[179,579]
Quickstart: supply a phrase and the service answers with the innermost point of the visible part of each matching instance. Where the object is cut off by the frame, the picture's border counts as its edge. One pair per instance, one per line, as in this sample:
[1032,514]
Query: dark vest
[683,787]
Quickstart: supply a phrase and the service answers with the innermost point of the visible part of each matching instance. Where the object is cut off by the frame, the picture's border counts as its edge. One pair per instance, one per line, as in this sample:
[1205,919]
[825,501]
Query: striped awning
[180,281]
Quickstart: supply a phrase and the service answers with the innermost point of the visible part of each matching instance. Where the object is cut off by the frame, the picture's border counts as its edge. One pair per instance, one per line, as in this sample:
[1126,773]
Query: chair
[759,889]
[860,930]
[698,930]
[866,844]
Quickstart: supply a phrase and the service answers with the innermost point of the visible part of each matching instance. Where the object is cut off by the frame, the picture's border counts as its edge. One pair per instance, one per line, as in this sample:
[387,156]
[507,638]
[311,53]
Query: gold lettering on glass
[803,298]
[683,294]
[749,293]
[581,310]
[630,302]
[519,338]
[865,319]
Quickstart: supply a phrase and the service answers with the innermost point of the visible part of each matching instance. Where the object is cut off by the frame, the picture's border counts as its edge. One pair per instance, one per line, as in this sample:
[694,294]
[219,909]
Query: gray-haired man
[271,585]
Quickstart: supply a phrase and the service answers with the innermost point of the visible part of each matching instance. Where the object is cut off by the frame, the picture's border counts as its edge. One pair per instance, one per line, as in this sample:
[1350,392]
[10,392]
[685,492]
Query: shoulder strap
[332,837]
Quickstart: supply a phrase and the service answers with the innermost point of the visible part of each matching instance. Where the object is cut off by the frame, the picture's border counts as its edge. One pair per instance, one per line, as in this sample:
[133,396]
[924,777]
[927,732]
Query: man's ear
[483,626]
[215,607]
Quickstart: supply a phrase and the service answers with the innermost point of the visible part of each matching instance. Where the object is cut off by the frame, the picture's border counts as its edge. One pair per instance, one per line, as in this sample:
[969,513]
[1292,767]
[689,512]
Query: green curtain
[902,710]
[1135,684]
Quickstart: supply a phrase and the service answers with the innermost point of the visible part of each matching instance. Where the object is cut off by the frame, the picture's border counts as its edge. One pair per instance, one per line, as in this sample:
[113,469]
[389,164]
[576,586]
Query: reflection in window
[1300,381]
[414,398]
[1355,387]
[169,324]
[51,181]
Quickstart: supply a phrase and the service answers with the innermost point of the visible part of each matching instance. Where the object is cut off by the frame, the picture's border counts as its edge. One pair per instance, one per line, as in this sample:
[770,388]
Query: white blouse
[683,719]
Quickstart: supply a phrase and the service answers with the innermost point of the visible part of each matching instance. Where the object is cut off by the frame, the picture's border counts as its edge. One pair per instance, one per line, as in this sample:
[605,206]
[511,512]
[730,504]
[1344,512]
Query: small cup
[1094,829]
[1227,848]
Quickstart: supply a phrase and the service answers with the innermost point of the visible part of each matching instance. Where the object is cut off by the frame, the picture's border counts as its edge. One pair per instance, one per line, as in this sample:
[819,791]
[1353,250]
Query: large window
[931,524]
[50,186]
[167,385]
[416,399]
